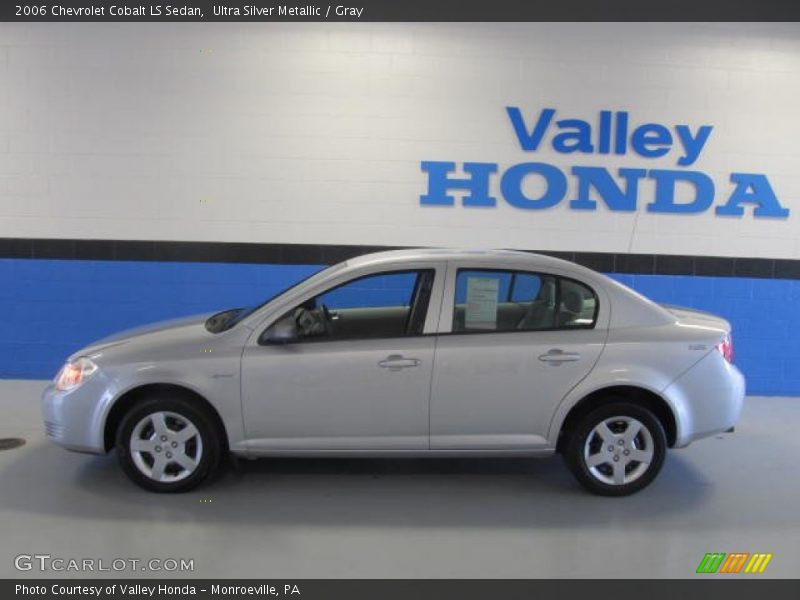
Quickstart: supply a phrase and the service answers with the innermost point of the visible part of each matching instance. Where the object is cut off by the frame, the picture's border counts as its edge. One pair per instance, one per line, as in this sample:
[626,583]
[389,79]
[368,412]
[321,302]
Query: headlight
[74,373]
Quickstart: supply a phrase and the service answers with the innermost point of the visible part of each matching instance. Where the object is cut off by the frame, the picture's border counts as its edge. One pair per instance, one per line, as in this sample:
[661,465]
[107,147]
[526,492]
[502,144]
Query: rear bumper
[707,399]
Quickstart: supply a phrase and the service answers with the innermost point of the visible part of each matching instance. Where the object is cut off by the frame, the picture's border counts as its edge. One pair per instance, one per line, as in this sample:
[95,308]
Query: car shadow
[492,492]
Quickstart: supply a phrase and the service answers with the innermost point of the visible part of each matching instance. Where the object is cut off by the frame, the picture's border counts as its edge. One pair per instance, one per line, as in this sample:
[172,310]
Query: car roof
[479,256]
[631,308]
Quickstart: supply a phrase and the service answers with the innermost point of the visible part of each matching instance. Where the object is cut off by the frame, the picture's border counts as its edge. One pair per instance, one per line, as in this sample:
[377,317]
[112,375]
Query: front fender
[219,385]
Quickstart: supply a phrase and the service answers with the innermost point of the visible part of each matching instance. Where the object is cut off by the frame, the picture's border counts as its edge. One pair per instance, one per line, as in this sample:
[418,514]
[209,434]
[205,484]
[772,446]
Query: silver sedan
[423,353]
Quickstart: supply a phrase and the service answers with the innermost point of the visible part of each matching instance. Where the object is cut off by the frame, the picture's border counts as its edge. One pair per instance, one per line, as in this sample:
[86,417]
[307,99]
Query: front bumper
[75,419]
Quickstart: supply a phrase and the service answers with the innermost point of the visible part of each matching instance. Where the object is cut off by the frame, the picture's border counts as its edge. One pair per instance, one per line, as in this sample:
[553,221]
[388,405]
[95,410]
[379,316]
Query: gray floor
[454,518]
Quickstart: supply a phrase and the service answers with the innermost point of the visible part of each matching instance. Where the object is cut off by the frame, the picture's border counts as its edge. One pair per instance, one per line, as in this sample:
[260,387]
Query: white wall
[314,133]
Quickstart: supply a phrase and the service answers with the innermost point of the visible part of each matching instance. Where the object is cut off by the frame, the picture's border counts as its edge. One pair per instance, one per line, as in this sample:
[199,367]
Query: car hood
[697,318]
[173,329]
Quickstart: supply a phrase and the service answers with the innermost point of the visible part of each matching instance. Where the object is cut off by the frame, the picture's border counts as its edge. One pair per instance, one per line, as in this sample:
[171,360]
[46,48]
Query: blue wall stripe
[50,308]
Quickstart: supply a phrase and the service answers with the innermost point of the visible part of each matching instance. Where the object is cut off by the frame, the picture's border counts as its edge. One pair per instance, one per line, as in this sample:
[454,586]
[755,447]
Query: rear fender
[621,374]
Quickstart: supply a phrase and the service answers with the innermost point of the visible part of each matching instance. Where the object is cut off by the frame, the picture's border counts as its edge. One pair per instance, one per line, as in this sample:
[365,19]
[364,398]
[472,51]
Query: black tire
[207,443]
[604,478]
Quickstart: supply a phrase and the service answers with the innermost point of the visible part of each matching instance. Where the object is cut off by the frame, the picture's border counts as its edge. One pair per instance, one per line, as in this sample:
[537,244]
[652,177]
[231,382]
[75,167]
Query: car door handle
[557,356]
[395,362]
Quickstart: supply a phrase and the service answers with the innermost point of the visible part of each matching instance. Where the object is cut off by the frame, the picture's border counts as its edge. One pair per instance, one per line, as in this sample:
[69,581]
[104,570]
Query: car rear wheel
[617,449]
[168,444]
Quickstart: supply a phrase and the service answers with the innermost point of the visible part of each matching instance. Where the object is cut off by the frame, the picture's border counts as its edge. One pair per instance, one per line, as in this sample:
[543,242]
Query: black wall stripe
[607,262]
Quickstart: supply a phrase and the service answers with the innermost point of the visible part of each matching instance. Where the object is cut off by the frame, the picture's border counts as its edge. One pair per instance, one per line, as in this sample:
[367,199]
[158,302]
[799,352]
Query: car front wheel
[167,444]
[617,449]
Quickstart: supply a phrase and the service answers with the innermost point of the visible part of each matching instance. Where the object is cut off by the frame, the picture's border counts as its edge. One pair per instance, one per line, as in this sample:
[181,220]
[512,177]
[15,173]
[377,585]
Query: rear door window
[495,301]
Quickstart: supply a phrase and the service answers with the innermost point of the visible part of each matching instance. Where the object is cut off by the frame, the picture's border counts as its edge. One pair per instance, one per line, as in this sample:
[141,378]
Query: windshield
[222,321]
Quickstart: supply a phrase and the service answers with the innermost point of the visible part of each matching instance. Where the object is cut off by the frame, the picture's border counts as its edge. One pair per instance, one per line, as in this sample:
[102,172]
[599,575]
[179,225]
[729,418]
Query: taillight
[725,348]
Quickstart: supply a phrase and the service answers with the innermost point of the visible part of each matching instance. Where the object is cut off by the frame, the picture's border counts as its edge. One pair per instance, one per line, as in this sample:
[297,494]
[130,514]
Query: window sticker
[481,309]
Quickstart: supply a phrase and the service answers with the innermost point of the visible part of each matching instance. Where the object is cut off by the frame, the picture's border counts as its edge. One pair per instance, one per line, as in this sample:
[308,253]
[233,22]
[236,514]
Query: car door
[362,383]
[511,345]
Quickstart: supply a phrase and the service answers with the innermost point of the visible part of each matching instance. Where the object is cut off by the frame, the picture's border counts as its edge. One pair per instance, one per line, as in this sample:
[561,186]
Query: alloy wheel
[166,447]
[618,450]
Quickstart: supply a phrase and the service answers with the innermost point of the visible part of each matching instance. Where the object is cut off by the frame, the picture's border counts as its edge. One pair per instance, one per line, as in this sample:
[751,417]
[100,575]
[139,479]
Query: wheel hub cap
[166,447]
[618,450]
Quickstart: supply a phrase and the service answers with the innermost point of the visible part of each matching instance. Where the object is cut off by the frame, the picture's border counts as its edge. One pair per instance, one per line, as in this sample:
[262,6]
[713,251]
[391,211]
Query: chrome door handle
[557,356]
[395,362]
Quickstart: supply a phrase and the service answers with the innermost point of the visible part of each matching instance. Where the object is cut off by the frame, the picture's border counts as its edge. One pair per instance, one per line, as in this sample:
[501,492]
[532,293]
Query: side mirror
[281,332]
